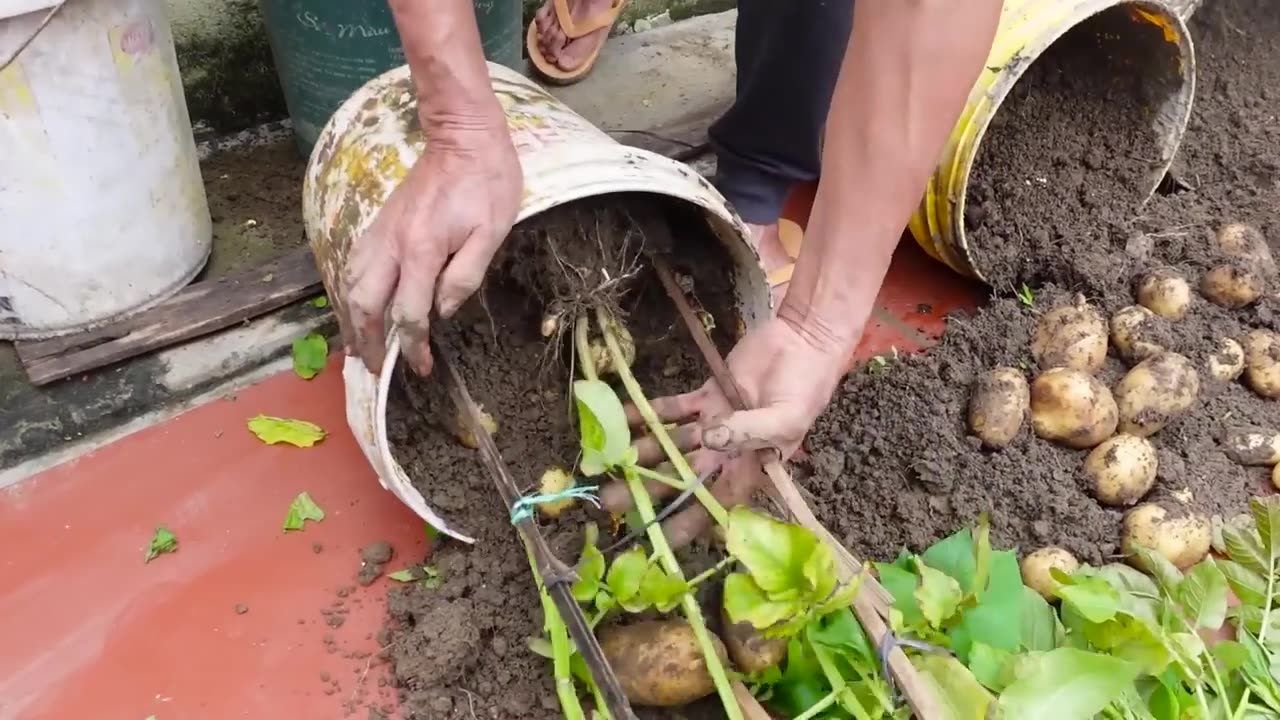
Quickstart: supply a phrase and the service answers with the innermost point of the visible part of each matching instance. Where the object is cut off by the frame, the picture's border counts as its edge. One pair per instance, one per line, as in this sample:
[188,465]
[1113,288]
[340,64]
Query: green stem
[1266,612]
[818,707]
[711,571]
[560,648]
[837,681]
[692,611]
[582,345]
[713,506]
[656,476]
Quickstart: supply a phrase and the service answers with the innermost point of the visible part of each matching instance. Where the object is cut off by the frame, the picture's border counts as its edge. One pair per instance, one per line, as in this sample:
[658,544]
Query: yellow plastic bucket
[1027,29]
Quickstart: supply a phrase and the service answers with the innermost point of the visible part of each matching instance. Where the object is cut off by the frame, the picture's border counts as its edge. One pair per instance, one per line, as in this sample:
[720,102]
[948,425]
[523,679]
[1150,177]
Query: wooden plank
[197,310]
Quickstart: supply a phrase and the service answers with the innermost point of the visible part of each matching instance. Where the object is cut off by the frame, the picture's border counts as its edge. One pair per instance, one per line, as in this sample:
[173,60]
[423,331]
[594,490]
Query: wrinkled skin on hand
[431,243]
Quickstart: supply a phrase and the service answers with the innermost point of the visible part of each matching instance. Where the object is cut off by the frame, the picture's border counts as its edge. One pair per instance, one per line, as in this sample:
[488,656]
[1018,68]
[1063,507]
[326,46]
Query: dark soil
[462,647]
[892,465]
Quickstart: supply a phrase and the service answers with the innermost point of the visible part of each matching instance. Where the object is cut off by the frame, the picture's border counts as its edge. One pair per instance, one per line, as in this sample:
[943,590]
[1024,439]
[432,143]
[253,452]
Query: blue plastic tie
[524,507]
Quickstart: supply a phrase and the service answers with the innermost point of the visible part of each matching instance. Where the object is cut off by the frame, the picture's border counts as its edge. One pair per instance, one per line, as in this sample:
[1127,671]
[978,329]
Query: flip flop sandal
[791,236]
[548,70]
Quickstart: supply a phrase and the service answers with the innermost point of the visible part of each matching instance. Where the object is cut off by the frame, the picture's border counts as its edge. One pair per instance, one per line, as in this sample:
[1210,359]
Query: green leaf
[1039,622]
[1250,587]
[744,601]
[320,302]
[1231,655]
[310,353]
[430,577]
[1094,598]
[841,632]
[802,684]
[773,552]
[590,567]
[302,508]
[1203,595]
[626,573]
[1132,639]
[1126,579]
[981,553]
[901,585]
[990,666]
[661,590]
[954,555]
[1245,547]
[1266,513]
[959,693]
[602,423]
[820,571]
[939,595]
[1066,684]
[299,433]
[406,575]
[1166,574]
[162,541]
[997,618]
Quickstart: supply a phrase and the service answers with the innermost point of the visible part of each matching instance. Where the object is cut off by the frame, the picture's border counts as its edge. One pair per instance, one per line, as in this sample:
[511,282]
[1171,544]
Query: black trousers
[788,54]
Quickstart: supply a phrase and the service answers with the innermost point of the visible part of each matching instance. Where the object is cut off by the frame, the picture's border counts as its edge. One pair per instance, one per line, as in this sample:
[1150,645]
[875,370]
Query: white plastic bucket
[369,144]
[102,207]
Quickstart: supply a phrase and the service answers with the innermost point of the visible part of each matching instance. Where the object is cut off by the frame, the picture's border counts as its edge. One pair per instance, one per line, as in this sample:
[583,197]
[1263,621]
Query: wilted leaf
[773,552]
[602,425]
[404,576]
[938,595]
[299,433]
[744,601]
[310,353]
[959,693]
[302,508]
[162,541]
[1065,683]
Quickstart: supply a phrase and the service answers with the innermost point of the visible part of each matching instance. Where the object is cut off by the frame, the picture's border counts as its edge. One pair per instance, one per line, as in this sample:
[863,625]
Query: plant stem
[560,648]
[713,506]
[837,681]
[818,707]
[711,571]
[582,345]
[692,611]
[656,476]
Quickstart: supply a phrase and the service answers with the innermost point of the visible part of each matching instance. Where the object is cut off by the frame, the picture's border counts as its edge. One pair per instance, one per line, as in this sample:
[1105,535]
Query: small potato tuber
[1227,362]
[463,431]
[1232,285]
[998,406]
[601,356]
[1036,570]
[1165,293]
[749,649]
[1122,469]
[1253,446]
[659,662]
[1262,363]
[1072,408]
[555,480]
[1183,540]
[1245,242]
[1133,331]
[1275,477]
[1154,392]
[1071,336]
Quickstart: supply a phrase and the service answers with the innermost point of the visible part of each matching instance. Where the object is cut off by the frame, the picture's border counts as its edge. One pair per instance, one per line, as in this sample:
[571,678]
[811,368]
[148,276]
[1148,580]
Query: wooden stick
[871,607]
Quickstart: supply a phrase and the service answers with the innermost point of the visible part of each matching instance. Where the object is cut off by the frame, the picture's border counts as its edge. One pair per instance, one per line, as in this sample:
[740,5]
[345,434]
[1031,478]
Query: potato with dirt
[1245,242]
[748,648]
[1182,539]
[1072,408]
[1262,363]
[1121,470]
[998,406]
[1156,391]
[1071,336]
[1227,362]
[1134,332]
[1253,446]
[1164,292]
[1232,285]
[1037,567]
[462,429]
[659,662]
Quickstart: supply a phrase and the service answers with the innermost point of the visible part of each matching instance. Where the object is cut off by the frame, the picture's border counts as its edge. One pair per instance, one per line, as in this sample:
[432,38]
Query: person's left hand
[787,373]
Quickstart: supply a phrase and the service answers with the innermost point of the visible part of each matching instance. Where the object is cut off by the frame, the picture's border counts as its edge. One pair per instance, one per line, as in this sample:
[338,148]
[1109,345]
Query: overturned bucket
[1160,49]
[373,139]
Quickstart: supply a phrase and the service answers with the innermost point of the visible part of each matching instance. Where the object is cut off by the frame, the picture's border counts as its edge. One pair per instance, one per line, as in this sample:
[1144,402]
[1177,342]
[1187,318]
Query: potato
[1253,446]
[1275,477]
[1262,363]
[463,432]
[1122,469]
[748,648]
[1245,242]
[1232,285]
[1227,362]
[1156,391]
[601,356]
[658,662]
[555,480]
[1133,332]
[1072,408]
[1182,540]
[1165,293]
[1036,567]
[1071,336]
[998,406]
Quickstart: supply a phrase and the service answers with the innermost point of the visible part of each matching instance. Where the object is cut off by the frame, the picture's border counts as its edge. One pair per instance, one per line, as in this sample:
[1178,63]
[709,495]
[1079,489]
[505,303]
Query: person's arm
[906,74]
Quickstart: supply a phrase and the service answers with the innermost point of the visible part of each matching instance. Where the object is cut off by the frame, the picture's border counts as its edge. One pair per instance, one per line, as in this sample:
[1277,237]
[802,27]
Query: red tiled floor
[89,631]
[92,632]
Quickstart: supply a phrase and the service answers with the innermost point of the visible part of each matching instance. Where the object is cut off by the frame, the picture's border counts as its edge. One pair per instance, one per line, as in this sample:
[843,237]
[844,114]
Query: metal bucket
[1027,29]
[374,138]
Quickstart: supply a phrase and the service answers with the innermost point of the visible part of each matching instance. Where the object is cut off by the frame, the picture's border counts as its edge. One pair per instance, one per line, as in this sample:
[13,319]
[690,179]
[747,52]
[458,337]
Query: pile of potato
[1068,405]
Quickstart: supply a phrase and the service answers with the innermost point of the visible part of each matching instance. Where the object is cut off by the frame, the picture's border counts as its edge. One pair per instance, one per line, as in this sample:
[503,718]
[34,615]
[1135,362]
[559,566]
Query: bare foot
[767,240]
[556,47]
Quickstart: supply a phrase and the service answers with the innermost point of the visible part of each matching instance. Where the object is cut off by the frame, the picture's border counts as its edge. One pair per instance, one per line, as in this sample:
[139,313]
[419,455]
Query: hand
[787,372]
[432,241]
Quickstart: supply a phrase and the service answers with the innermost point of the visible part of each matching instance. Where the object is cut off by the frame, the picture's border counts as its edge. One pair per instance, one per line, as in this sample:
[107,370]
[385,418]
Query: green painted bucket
[327,49]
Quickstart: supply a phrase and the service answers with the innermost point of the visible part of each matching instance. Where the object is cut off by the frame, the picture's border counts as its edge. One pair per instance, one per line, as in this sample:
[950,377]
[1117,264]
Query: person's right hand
[432,242]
